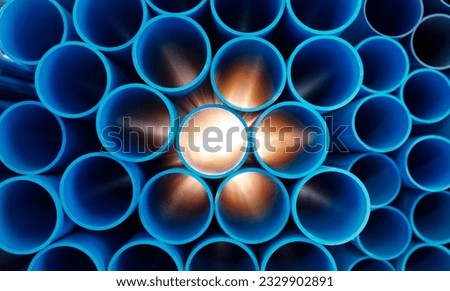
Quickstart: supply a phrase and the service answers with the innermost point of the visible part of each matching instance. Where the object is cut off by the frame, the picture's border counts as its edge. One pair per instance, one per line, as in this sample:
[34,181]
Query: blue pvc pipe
[248,51]
[428,214]
[14,90]
[424,257]
[99,192]
[313,146]
[436,6]
[172,54]
[28,29]
[330,206]
[325,72]
[385,63]
[246,17]
[378,123]
[144,253]
[136,123]
[60,73]
[378,172]
[31,215]
[430,42]
[252,214]
[45,143]
[293,252]
[423,163]
[4,105]
[79,251]
[390,18]
[307,18]
[221,253]
[425,93]
[393,18]
[349,258]
[176,206]
[110,25]
[191,8]
[441,128]
[381,242]
[11,69]
[188,142]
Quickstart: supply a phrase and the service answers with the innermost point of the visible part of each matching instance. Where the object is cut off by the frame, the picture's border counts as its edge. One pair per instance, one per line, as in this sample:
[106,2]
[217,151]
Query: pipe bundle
[150,135]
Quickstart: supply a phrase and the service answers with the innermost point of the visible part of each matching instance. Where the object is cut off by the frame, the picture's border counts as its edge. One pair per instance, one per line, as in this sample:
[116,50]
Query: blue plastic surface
[317,202]
[325,72]
[129,115]
[252,228]
[166,217]
[29,29]
[98,191]
[31,214]
[377,123]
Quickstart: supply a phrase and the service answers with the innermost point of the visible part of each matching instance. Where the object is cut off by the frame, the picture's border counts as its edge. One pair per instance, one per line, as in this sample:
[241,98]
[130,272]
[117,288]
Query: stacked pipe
[225,135]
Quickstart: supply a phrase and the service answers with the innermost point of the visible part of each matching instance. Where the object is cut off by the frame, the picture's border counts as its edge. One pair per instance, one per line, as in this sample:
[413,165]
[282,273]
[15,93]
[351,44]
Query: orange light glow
[248,196]
[245,82]
[227,150]
[182,197]
[280,137]
[179,66]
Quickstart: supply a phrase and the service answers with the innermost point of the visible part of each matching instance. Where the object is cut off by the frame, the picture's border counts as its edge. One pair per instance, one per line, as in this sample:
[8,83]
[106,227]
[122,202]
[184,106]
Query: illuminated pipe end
[221,253]
[247,17]
[172,54]
[176,206]
[111,27]
[29,29]
[31,215]
[98,192]
[381,242]
[41,143]
[423,162]
[291,140]
[136,123]
[248,74]
[430,218]
[213,141]
[424,257]
[395,19]
[252,206]
[297,253]
[143,253]
[183,7]
[425,93]
[386,64]
[330,206]
[61,71]
[325,72]
[322,17]
[430,42]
